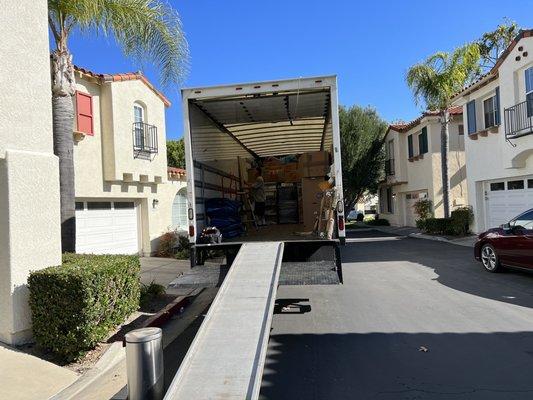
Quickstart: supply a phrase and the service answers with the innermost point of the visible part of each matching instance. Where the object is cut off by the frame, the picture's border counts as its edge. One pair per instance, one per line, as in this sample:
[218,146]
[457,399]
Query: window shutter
[410,146]
[471,116]
[423,141]
[84,113]
[497,105]
[529,79]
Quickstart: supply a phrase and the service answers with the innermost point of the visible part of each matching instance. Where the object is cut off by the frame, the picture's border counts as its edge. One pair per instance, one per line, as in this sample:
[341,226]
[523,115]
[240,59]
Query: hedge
[457,224]
[378,222]
[77,304]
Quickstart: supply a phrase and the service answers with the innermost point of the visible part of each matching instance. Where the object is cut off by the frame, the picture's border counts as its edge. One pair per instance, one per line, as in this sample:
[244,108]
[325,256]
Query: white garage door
[410,200]
[106,227]
[506,198]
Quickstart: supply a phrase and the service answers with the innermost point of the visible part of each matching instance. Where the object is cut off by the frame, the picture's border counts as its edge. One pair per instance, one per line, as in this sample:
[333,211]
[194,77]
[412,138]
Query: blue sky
[368,44]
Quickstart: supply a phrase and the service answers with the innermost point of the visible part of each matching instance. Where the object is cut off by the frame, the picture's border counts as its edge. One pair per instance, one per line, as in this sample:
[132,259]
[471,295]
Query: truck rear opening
[287,131]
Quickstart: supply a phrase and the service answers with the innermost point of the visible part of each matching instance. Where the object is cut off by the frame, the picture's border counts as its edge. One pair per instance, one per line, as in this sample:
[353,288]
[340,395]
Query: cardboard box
[293,176]
[314,164]
[311,198]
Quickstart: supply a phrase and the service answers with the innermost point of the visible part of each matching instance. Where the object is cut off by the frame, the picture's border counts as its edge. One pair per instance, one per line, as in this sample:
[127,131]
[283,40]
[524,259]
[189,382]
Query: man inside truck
[258,195]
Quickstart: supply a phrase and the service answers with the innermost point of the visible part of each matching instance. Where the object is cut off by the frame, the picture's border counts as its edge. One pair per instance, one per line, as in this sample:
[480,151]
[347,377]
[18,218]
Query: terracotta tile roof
[129,76]
[493,73]
[404,127]
[176,173]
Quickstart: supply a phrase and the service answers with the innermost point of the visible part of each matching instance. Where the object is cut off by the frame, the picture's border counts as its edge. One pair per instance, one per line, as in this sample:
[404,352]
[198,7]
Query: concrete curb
[440,239]
[115,354]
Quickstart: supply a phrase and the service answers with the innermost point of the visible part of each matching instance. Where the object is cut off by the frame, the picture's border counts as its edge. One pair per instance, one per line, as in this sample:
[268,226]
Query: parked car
[352,215]
[510,245]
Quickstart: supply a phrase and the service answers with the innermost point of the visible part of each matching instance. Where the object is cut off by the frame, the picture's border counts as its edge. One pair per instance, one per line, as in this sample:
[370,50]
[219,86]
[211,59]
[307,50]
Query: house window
[84,113]
[461,129]
[179,209]
[410,146]
[471,116]
[423,141]
[390,207]
[530,183]
[515,185]
[497,186]
[490,110]
[529,91]
[139,137]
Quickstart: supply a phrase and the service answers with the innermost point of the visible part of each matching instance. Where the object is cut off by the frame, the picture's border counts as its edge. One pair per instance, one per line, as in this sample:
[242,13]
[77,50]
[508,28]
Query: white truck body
[258,119]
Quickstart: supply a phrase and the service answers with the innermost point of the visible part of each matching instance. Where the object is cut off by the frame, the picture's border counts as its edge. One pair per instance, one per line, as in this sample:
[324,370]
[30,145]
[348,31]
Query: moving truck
[288,130]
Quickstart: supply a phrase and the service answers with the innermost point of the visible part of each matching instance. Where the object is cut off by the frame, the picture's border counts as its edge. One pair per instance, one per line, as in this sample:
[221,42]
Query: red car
[510,245]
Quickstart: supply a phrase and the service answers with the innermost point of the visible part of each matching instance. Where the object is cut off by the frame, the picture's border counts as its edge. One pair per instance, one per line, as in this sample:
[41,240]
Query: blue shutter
[529,80]
[497,105]
[471,116]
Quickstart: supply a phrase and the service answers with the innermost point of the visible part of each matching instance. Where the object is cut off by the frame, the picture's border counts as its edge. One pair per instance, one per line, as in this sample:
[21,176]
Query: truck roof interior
[261,125]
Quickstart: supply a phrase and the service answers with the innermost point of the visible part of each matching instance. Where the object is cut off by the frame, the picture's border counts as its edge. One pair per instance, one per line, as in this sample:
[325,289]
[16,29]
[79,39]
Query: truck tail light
[341,222]
[191,230]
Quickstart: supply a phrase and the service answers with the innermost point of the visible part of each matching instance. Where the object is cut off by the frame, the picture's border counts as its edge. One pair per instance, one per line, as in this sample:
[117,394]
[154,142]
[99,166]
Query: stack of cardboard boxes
[309,170]
[313,166]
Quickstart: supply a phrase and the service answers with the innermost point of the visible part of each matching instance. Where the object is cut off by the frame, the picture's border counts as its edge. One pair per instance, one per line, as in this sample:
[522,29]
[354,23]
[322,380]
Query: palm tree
[434,82]
[145,29]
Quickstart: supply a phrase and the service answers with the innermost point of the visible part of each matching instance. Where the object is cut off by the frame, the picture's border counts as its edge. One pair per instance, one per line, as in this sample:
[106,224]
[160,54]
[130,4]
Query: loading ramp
[226,358]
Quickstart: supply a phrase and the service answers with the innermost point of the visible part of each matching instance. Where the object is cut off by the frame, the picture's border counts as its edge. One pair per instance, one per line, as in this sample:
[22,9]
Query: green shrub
[421,224]
[441,226]
[462,218]
[378,222]
[150,292]
[77,304]
[166,245]
[184,247]
[423,208]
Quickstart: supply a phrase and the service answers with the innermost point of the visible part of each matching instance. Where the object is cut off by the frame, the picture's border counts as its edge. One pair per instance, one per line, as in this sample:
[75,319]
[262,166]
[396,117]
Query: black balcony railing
[519,119]
[389,166]
[144,140]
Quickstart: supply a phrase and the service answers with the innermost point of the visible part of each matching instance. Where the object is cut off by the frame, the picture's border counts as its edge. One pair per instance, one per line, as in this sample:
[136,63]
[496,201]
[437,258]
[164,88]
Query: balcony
[144,140]
[519,119]
[389,167]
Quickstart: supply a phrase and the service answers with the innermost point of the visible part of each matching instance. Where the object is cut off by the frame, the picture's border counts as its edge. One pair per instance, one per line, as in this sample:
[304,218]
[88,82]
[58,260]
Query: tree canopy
[362,136]
[441,75]
[176,153]
[492,44]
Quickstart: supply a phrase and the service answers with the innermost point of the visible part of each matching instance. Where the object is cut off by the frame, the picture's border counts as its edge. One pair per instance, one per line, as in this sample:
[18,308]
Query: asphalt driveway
[415,319]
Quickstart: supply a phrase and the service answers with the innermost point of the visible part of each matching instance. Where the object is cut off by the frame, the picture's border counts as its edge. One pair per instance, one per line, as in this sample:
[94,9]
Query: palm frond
[147,30]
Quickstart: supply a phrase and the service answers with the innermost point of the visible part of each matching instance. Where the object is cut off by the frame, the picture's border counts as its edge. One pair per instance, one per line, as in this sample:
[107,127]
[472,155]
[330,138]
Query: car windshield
[524,220]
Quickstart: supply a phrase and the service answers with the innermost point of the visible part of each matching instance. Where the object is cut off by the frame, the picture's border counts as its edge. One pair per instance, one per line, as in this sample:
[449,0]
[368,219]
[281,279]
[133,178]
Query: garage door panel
[107,231]
[504,205]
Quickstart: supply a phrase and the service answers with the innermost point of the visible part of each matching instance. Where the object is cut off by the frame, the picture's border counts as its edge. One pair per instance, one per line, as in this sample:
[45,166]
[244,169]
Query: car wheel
[489,258]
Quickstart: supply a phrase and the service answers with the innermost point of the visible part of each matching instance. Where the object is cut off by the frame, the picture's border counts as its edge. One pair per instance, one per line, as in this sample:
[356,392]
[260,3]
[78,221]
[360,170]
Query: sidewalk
[25,377]
[466,241]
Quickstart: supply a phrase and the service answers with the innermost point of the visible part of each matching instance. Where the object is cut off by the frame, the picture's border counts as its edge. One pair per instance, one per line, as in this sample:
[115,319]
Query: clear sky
[369,44]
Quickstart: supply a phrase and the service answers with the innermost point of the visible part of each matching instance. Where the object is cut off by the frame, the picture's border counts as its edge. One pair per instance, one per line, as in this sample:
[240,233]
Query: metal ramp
[226,358]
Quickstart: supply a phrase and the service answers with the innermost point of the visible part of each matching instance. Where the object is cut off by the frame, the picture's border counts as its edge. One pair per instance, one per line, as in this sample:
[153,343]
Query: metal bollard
[144,364]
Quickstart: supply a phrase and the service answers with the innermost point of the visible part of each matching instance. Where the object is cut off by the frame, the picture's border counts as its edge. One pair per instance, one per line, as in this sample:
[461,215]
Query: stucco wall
[424,174]
[104,160]
[490,156]
[29,181]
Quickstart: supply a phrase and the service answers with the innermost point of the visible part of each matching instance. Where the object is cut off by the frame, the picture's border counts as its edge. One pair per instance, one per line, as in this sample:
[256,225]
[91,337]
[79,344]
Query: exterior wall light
[155,202]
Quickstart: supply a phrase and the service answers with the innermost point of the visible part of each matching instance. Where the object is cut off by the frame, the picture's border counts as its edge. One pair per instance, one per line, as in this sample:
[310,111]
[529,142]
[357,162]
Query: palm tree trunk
[63,125]
[445,119]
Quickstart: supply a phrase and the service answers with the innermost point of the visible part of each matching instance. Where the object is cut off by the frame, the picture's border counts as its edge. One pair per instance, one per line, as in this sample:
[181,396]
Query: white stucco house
[498,120]
[30,231]
[126,197]
[413,169]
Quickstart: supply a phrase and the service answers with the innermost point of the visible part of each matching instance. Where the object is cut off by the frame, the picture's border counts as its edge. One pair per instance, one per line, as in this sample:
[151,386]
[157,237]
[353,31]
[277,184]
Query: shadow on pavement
[455,265]
[394,366]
